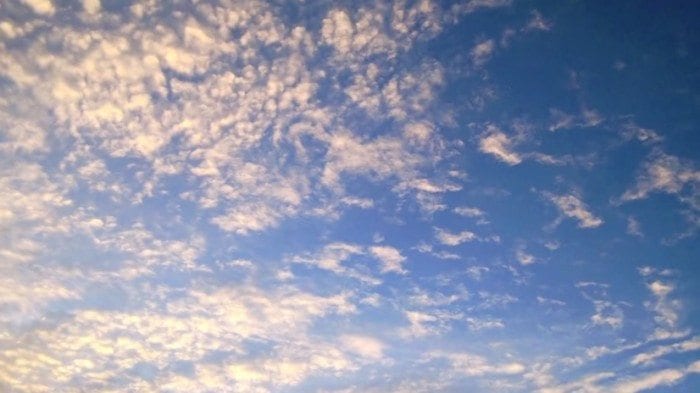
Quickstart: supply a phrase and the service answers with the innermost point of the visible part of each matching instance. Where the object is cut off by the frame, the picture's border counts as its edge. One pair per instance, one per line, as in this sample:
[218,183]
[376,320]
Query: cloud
[243,219]
[423,298]
[332,256]
[607,313]
[632,131]
[423,324]
[611,382]
[475,5]
[380,158]
[481,324]
[666,309]
[560,120]
[662,173]
[363,203]
[91,6]
[338,30]
[469,364]
[358,37]
[364,346]
[482,52]
[633,227]
[490,300]
[102,346]
[44,7]
[571,206]
[645,358]
[467,211]
[135,109]
[537,22]
[390,258]
[588,383]
[426,248]
[586,118]
[498,144]
[523,257]
[548,301]
[477,272]
[666,377]
[165,167]
[454,239]
[151,252]
[428,186]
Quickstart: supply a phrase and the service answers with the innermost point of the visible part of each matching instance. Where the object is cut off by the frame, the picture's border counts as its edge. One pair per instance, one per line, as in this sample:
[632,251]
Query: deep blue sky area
[375,196]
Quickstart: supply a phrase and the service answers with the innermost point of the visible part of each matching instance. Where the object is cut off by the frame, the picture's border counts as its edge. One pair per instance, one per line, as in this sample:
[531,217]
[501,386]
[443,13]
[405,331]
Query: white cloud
[498,144]
[122,112]
[419,324]
[666,377]
[607,313]
[423,298]
[552,245]
[480,323]
[428,186]
[587,383]
[560,120]
[494,300]
[373,300]
[363,203]
[646,135]
[379,158]
[390,258]
[571,206]
[477,272]
[586,118]
[364,346]
[689,345]
[524,258]
[445,255]
[243,219]
[159,126]
[591,284]
[338,30]
[666,309]
[548,301]
[591,117]
[103,345]
[453,239]
[474,5]
[423,324]
[633,227]
[467,211]
[44,7]
[92,6]
[662,173]
[474,365]
[537,22]
[482,52]
[332,256]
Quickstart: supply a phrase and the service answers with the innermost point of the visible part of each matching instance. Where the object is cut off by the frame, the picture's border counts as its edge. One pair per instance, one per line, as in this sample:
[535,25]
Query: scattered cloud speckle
[399,196]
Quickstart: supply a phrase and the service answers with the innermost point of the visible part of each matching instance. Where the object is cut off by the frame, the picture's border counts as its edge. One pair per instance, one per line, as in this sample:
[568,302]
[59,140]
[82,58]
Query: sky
[362,196]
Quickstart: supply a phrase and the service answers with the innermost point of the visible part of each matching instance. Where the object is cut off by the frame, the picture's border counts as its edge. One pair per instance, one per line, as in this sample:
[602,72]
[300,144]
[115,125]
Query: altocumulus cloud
[257,196]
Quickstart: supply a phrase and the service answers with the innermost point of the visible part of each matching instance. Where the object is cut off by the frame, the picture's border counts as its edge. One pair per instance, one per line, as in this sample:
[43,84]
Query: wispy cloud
[662,173]
[498,144]
[390,258]
[454,239]
[571,206]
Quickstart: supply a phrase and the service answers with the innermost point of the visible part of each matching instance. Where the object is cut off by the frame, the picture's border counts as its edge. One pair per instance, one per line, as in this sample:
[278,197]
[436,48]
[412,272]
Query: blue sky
[384,196]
